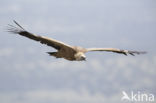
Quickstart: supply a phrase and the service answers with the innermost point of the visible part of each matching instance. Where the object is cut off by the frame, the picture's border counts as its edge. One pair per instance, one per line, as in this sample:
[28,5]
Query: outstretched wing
[44,40]
[125,52]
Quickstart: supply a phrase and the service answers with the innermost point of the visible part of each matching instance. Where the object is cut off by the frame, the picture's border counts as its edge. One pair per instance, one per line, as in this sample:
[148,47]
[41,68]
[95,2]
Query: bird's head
[80,56]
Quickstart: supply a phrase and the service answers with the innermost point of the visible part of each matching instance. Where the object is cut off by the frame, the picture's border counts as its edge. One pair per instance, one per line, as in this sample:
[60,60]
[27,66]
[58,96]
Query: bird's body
[72,53]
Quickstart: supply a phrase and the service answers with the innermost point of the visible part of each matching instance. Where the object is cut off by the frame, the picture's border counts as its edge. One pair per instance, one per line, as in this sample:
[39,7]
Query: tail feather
[53,54]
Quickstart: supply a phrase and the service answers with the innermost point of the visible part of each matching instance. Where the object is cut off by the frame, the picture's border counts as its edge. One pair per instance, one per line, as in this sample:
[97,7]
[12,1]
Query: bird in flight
[68,52]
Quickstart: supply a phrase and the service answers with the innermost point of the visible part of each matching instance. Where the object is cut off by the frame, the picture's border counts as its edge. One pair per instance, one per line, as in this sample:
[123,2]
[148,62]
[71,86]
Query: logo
[137,97]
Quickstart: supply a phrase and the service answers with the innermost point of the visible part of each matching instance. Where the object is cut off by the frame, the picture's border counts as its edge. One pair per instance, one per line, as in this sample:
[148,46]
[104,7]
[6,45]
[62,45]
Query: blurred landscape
[29,75]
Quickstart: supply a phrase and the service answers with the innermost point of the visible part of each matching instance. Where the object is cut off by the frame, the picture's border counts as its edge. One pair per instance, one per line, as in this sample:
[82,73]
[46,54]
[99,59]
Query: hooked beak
[83,58]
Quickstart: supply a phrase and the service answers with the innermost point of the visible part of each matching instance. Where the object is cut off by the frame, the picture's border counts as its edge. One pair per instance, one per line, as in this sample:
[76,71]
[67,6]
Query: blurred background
[29,75]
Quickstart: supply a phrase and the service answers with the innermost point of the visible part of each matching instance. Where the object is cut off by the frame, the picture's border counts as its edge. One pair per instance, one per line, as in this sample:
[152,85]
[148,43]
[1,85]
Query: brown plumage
[65,51]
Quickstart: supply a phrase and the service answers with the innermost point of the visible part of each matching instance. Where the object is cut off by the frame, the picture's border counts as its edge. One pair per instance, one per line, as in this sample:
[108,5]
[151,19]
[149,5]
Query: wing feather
[115,50]
[44,40]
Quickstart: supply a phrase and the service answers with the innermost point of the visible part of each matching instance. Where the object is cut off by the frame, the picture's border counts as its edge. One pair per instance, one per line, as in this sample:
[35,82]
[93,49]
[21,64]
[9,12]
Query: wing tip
[14,29]
[136,52]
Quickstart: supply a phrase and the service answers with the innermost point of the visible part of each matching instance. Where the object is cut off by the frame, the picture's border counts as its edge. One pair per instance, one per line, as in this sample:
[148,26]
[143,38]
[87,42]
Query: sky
[29,75]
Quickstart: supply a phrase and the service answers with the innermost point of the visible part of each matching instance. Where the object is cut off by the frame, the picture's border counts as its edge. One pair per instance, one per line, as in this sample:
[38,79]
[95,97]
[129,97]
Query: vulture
[68,52]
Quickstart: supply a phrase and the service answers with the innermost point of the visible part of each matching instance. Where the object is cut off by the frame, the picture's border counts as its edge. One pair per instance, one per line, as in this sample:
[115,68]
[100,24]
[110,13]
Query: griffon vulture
[72,53]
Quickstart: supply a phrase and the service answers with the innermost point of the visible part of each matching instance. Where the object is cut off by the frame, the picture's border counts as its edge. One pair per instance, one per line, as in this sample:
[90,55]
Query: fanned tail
[53,54]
